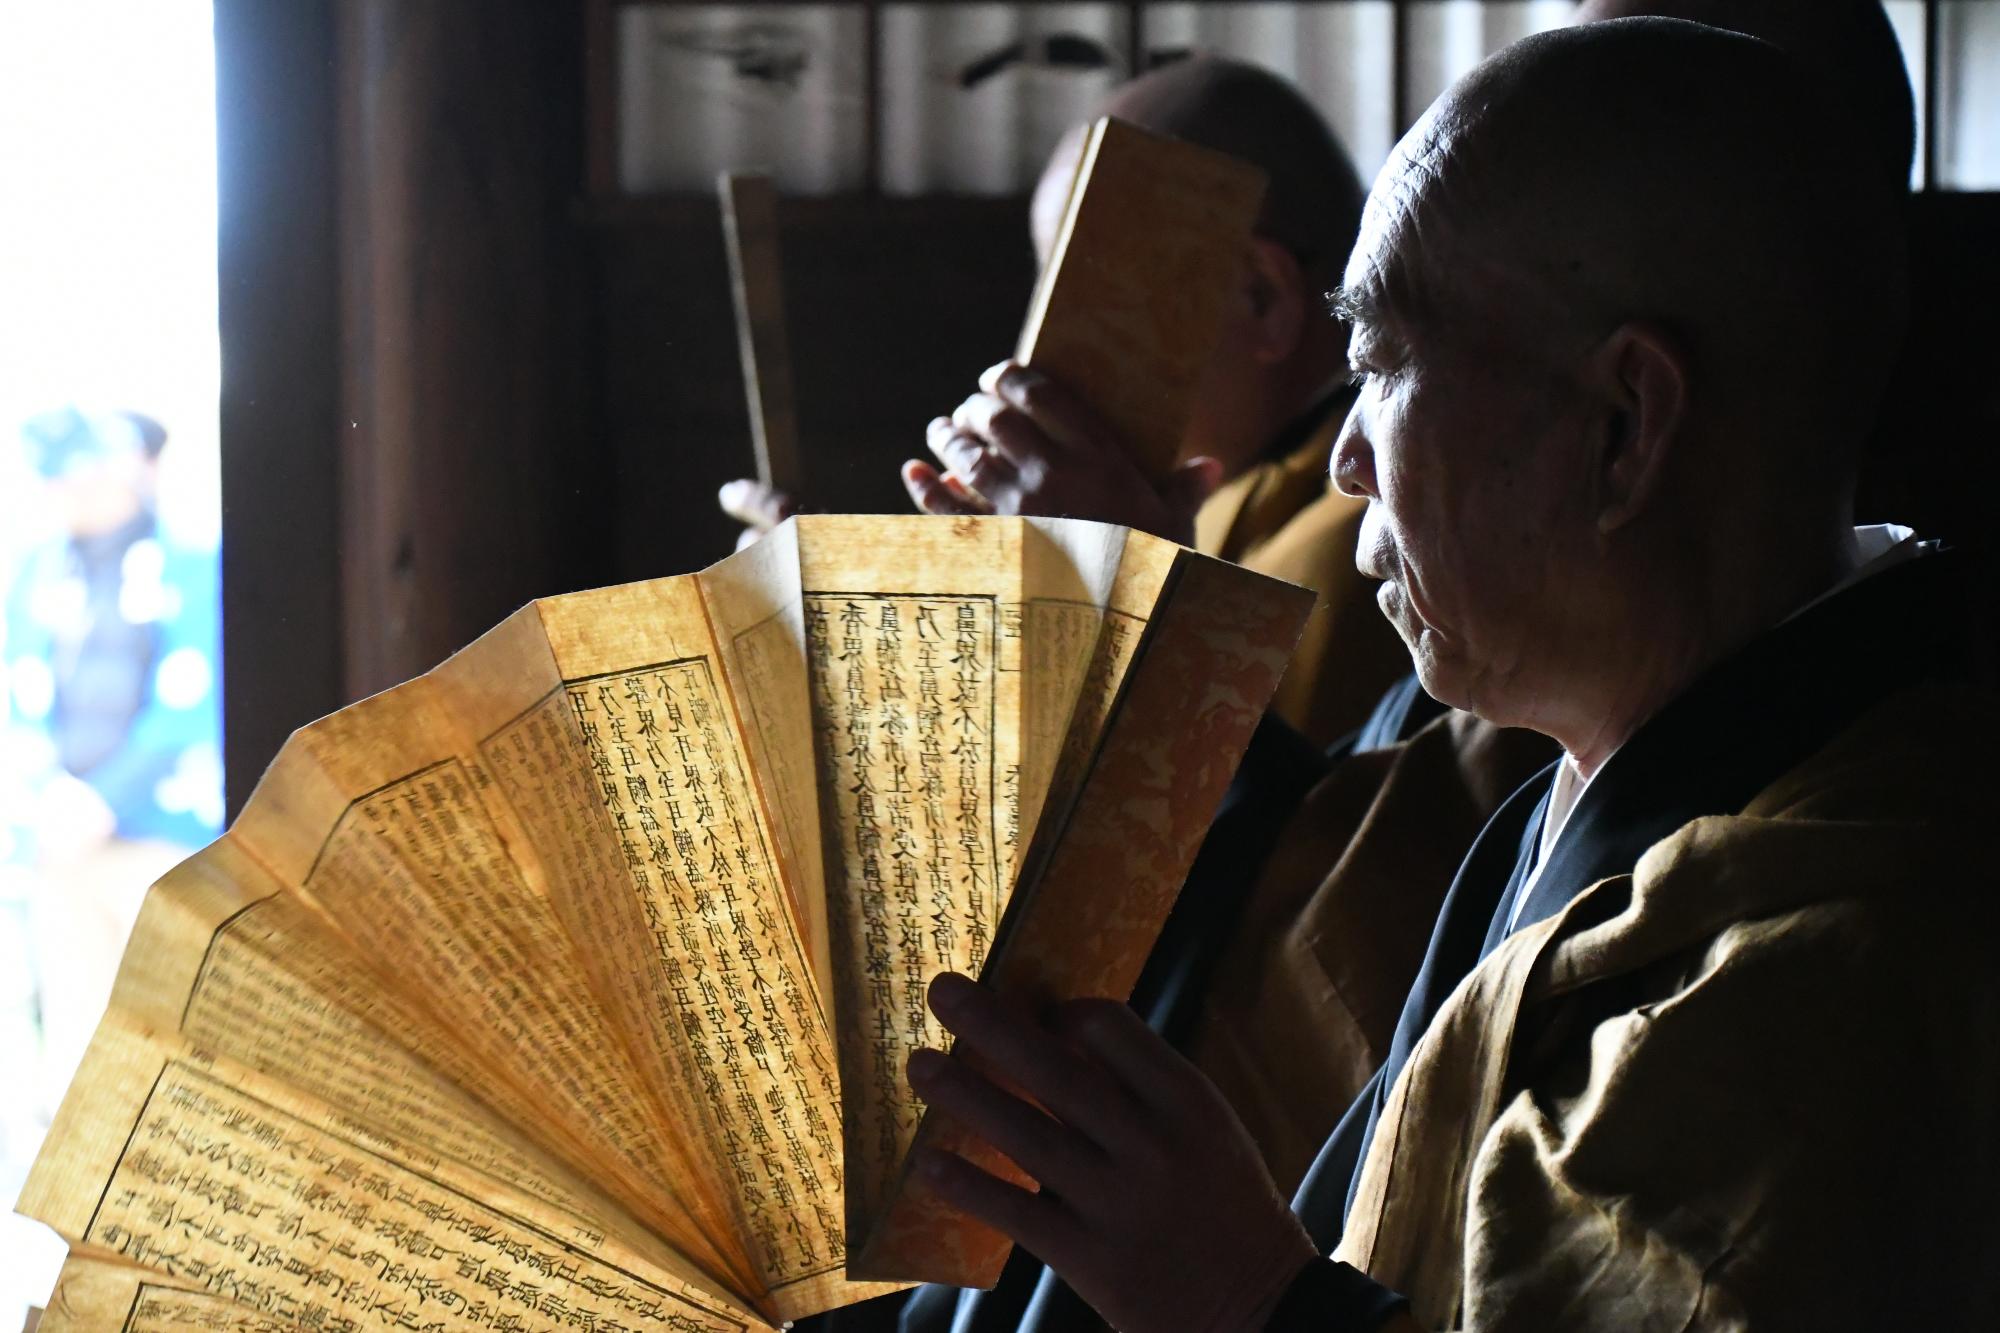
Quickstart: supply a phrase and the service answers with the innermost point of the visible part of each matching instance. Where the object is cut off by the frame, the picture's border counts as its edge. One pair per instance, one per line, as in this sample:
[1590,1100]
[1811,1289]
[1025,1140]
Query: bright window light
[107,308]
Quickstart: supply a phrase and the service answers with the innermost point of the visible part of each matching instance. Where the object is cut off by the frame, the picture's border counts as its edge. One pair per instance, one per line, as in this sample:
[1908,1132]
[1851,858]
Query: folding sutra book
[570,985]
[1129,310]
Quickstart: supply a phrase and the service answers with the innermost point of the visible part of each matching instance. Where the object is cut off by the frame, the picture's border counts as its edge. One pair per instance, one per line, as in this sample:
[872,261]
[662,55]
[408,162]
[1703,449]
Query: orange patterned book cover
[1131,304]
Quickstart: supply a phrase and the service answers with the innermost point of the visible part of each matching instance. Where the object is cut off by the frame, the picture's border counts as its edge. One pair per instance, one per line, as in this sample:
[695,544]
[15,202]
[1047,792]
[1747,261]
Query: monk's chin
[1414,630]
[1444,670]
[1440,680]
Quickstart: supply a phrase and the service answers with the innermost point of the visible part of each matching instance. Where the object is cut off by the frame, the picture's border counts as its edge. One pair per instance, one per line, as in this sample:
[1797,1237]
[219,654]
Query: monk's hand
[1154,1203]
[1026,445]
[756,506]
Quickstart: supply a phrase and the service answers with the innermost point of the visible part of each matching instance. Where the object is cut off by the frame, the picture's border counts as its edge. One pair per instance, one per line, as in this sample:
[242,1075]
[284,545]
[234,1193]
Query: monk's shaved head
[1849,44]
[1658,170]
[1623,304]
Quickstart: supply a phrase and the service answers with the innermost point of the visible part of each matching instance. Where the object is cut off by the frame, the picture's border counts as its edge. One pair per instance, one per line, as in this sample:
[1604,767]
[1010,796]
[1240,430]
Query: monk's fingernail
[990,377]
[730,492]
[925,1065]
[950,993]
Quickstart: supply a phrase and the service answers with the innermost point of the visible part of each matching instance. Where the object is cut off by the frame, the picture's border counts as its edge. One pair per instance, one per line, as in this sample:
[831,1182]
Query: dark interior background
[455,378]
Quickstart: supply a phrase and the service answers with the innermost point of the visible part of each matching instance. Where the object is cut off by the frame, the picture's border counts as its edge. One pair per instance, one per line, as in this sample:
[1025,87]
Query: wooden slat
[750,231]
[1129,309]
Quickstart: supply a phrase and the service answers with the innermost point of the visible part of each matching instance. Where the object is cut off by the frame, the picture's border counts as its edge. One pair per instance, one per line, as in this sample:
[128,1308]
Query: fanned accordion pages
[571,984]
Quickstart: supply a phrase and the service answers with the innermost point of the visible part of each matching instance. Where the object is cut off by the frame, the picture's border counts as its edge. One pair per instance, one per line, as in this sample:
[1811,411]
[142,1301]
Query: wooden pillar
[468,471]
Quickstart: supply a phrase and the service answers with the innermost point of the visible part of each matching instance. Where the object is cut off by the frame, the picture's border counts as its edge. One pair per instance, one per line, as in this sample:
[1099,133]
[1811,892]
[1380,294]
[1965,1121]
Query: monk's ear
[1275,299]
[1641,374]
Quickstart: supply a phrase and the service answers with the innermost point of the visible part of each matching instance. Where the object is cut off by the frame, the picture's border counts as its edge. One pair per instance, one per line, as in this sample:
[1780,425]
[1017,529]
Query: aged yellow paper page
[731,988]
[166,1157]
[1091,588]
[1102,873]
[756,604]
[375,814]
[98,1296]
[245,971]
[1068,567]
[913,655]
[545,790]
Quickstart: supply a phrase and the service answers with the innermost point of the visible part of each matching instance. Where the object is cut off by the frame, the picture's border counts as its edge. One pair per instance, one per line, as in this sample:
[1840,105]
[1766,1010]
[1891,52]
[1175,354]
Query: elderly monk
[1283,975]
[1706,1034]
[1252,483]
[1337,923]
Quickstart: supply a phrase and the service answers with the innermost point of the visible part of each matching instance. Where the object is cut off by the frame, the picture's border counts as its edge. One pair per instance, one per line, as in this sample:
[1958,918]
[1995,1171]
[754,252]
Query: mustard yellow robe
[1305,997]
[1753,1085]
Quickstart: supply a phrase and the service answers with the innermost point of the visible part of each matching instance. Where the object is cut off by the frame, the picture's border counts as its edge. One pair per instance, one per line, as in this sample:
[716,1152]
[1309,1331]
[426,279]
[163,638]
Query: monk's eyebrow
[1353,305]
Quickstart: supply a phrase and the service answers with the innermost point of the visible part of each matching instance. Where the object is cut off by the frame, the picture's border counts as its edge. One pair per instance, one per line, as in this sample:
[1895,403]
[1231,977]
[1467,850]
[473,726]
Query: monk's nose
[1352,467]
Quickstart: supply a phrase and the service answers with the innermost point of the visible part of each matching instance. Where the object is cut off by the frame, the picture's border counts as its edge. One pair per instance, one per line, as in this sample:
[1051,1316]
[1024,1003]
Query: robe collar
[1736,731]
[1749,720]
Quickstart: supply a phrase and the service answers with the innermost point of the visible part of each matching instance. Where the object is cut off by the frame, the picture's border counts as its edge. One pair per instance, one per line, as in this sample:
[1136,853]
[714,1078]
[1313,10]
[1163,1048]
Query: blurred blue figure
[112,639]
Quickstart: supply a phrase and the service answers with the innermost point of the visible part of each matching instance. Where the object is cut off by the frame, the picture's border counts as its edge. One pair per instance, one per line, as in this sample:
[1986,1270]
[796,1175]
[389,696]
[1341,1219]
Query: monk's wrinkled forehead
[1405,226]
